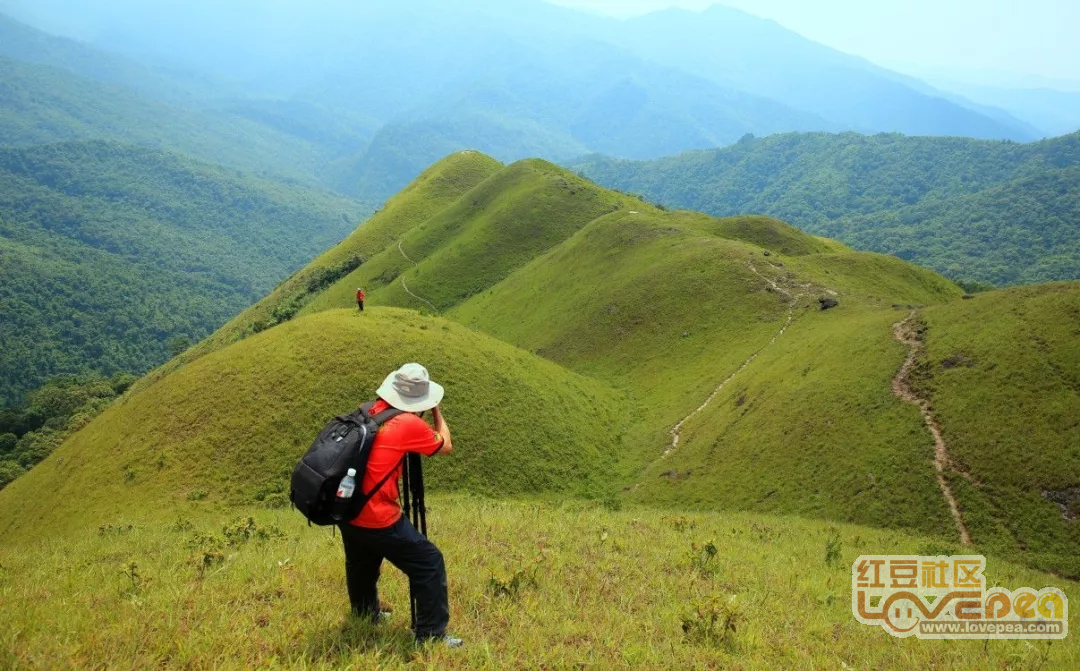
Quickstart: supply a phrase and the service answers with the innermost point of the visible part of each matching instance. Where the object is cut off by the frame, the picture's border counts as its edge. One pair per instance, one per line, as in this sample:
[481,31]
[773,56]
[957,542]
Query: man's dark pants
[417,557]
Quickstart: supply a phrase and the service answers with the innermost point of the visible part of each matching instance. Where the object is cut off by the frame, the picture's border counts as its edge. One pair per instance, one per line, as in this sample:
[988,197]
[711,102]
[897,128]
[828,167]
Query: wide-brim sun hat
[410,388]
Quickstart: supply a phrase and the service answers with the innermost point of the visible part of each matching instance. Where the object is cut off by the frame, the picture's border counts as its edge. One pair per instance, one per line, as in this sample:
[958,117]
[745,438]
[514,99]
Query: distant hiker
[380,531]
[360,295]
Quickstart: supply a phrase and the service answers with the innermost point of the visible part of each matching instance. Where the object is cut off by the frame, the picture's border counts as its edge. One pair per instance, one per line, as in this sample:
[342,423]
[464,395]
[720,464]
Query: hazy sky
[1021,36]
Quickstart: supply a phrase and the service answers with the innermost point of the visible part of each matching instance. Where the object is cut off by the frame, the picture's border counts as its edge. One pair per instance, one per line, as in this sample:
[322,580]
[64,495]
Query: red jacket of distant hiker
[402,434]
[360,296]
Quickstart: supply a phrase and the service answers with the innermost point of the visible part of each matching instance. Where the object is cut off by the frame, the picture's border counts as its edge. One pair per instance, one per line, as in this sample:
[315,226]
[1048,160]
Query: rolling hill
[111,251]
[298,374]
[598,352]
[735,389]
[995,212]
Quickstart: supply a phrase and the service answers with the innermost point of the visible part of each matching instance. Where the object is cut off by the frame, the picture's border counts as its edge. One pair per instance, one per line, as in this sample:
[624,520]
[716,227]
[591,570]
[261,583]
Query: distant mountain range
[997,212]
[373,92]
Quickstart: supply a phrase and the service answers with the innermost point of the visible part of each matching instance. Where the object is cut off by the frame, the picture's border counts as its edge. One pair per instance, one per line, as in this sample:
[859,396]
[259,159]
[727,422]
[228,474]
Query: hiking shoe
[448,641]
[380,616]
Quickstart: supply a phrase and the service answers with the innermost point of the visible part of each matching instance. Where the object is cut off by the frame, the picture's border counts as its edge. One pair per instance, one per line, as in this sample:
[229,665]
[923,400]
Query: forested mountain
[514,78]
[21,42]
[110,252]
[42,104]
[996,212]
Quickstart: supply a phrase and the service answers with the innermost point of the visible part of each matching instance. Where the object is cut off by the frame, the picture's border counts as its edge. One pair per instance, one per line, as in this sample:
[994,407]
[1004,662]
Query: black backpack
[345,443]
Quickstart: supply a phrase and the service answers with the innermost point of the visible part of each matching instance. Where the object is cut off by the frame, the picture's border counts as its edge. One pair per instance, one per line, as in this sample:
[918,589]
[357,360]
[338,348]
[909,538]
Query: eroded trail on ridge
[406,286]
[795,297]
[907,334]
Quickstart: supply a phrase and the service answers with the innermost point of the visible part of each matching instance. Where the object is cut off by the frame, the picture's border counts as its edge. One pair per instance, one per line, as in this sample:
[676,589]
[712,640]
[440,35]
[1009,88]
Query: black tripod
[412,505]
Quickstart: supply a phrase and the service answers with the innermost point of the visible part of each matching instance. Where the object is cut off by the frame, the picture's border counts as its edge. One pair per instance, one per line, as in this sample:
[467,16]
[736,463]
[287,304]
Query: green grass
[597,590]
[1003,372]
[774,235]
[577,329]
[673,309]
[502,224]
[439,186]
[811,428]
[232,425]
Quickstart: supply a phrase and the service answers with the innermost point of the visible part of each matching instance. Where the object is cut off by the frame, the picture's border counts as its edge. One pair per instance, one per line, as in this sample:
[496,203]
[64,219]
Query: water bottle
[344,494]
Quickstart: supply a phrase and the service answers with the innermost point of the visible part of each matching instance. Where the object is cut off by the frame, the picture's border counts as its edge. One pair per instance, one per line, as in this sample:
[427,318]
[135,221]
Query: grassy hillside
[676,308]
[231,426]
[435,189]
[111,251]
[1003,373]
[198,587]
[951,204]
[503,223]
[720,382]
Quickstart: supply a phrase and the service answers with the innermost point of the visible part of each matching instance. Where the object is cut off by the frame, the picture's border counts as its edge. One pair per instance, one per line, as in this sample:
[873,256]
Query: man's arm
[443,430]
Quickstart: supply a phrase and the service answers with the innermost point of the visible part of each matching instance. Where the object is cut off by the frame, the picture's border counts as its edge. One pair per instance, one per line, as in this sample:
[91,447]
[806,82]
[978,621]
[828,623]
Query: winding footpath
[795,298]
[406,286]
[905,332]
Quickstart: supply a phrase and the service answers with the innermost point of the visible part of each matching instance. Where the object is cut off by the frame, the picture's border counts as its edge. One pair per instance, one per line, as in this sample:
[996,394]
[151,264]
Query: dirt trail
[675,431]
[406,286]
[905,332]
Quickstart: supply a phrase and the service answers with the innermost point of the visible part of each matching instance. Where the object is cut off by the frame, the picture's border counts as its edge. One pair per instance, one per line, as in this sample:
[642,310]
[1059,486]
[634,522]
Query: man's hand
[442,429]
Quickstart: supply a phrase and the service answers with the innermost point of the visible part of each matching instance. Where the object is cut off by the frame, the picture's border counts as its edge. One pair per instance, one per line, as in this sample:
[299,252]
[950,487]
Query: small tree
[9,470]
[7,443]
[178,345]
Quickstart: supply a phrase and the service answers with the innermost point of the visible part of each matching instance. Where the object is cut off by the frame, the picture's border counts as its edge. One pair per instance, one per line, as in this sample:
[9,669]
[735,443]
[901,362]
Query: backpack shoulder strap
[375,490]
[381,418]
[386,415]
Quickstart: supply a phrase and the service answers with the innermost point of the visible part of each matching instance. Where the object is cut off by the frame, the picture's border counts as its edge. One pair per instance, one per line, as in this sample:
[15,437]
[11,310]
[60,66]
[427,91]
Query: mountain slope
[43,104]
[761,57]
[498,226]
[673,303]
[675,308]
[723,381]
[22,42]
[1003,374]
[1021,232]
[435,189]
[231,425]
[893,194]
[522,78]
[111,251]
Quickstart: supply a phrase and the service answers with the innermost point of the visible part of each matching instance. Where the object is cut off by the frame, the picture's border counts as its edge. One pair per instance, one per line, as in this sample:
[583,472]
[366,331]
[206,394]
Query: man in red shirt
[360,295]
[380,531]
